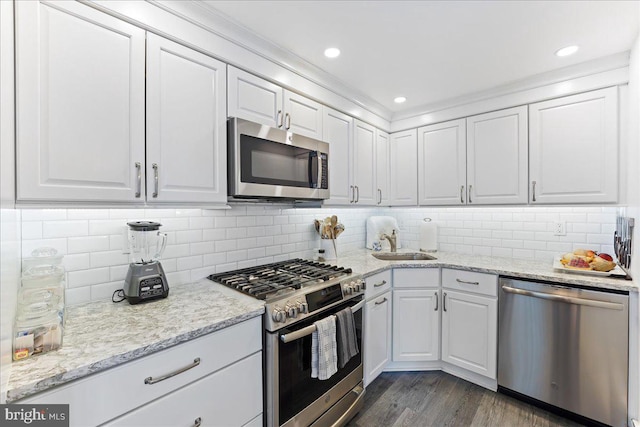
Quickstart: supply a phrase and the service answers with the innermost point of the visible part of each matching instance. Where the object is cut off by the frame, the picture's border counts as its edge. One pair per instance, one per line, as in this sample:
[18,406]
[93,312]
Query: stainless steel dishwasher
[566,347]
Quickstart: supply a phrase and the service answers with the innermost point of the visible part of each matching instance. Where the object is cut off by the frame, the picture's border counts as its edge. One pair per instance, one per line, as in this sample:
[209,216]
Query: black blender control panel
[151,286]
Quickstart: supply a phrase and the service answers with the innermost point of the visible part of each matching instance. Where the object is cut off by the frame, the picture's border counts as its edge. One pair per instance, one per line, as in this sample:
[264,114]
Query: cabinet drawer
[230,397]
[377,284]
[470,281]
[416,277]
[123,388]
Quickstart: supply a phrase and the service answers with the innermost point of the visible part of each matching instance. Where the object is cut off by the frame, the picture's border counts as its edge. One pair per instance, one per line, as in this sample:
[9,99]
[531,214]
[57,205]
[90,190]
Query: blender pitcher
[145,278]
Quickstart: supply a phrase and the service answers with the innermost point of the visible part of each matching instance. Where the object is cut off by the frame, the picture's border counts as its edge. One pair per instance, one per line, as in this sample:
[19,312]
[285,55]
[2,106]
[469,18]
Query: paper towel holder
[428,243]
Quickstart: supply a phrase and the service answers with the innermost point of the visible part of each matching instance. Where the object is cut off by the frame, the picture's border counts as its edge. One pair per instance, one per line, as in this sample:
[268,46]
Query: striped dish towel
[324,352]
[346,336]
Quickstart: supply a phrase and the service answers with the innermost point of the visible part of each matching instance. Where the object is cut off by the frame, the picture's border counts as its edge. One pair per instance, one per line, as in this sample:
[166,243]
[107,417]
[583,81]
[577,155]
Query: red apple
[606,256]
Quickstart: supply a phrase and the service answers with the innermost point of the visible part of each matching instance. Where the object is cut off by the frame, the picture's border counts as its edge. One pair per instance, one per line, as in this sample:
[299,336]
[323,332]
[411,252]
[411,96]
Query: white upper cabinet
[186,124]
[255,99]
[382,168]
[364,175]
[338,132]
[80,114]
[497,157]
[403,169]
[302,115]
[573,146]
[442,172]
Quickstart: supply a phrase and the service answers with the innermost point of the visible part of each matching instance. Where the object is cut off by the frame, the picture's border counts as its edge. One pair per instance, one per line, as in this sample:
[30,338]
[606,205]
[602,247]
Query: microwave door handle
[315,163]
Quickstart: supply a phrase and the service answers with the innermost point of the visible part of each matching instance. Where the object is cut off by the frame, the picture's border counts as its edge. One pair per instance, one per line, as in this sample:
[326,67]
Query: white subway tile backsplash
[77,295]
[94,276]
[43,214]
[108,259]
[58,244]
[88,244]
[188,263]
[106,227]
[32,230]
[77,262]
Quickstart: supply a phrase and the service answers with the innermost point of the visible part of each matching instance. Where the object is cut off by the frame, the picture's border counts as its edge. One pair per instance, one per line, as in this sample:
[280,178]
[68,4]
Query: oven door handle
[295,335]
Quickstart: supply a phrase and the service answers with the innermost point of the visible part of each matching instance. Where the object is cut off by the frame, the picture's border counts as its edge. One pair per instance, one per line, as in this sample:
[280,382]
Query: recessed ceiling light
[332,52]
[399,100]
[566,51]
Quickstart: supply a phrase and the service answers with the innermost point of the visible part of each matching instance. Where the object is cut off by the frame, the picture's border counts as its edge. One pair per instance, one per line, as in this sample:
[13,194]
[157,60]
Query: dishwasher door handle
[565,299]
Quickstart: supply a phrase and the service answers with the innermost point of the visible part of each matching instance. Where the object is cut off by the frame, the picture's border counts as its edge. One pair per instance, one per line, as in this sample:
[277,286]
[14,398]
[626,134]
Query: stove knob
[303,307]
[278,315]
[364,283]
[348,290]
[292,311]
[356,286]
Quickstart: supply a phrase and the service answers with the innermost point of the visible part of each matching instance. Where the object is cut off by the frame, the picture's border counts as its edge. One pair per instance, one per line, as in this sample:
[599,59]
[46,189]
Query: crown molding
[224,26]
[583,69]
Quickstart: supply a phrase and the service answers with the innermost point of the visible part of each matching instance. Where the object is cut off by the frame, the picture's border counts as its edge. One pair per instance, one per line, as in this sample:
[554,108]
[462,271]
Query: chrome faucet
[392,240]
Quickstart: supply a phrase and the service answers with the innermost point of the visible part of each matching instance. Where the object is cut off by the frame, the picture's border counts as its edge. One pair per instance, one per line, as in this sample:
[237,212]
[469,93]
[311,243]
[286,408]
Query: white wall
[202,242]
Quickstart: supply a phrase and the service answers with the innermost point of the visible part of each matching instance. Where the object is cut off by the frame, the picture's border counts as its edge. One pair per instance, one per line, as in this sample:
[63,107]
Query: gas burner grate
[268,280]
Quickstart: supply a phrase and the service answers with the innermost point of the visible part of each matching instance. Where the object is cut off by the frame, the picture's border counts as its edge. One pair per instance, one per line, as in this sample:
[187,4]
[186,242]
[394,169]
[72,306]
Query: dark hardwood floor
[420,399]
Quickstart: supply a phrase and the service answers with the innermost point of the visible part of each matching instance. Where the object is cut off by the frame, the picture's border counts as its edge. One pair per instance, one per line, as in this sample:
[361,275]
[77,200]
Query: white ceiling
[432,51]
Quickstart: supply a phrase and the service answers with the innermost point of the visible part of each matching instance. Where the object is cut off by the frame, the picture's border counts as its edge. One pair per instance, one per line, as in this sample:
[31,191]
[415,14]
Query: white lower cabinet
[377,351]
[218,378]
[470,321]
[416,325]
[229,397]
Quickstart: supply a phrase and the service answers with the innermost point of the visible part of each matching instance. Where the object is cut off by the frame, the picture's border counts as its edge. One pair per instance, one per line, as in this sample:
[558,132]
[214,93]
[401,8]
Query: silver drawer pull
[462,194]
[381,302]
[197,422]
[377,285]
[151,380]
[155,179]
[435,294]
[139,179]
[467,283]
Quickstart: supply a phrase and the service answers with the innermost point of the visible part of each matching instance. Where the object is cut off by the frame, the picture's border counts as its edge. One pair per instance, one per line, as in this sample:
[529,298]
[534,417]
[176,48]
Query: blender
[145,278]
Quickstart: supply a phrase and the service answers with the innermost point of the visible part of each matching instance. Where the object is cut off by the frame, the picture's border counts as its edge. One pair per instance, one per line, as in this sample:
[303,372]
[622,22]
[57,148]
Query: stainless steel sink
[403,256]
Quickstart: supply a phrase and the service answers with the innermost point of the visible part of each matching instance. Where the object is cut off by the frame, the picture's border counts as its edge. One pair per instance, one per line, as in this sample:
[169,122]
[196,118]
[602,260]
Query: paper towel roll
[428,236]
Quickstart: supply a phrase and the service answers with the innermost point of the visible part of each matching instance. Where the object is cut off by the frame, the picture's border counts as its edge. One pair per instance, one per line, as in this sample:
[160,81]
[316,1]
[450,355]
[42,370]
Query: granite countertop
[362,262]
[101,335]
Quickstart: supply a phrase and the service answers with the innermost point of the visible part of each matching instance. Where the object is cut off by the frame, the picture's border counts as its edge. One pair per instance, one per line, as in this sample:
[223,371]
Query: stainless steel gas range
[298,293]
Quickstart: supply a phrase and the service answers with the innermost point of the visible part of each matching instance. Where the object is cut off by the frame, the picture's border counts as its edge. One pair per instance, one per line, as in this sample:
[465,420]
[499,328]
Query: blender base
[145,282]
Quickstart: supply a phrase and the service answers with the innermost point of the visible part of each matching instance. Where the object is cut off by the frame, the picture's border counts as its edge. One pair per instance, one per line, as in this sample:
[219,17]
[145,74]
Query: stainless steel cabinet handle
[279,119]
[467,283]
[353,194]
[381,302]
[462,194]
[139,179]
[357,194]
[444,301]
[379,196]
[377,285]
[155,179]
[533,184]
[436,298]
[565,299]
[151,380]
[287,121]
[469,198]
[197,422]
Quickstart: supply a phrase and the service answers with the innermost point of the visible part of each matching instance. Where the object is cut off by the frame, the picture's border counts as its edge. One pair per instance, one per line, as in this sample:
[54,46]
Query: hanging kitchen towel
[346,336]
[324,355]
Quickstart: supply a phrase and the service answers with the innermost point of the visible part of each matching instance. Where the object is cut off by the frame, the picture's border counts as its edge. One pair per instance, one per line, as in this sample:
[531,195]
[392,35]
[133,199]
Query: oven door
[293,397]
[272,163]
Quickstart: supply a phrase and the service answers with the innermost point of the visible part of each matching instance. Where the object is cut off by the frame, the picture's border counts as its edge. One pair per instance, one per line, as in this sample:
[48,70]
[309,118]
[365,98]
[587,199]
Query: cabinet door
[229,397]
[442,170]
[302,115]
[497,157]
[255,99]
[338,132]
[403,149]
[382,168]
[186,124]
[377,336]
[416,325]
[364,162]
[573,148]
[80,104]
[469,332]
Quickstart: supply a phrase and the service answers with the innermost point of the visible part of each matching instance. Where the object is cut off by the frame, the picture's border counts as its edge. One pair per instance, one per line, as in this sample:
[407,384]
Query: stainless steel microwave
[270,163]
